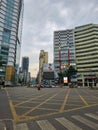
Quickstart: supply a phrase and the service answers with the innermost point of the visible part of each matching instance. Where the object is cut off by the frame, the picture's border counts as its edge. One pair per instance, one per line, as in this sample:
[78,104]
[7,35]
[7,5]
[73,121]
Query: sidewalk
[6,118]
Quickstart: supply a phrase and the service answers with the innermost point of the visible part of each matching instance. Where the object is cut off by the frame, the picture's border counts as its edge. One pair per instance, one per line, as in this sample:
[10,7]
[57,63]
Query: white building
[86,45]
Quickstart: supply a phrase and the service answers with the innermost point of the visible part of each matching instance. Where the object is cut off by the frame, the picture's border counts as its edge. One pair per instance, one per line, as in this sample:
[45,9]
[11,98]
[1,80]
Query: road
[54,108]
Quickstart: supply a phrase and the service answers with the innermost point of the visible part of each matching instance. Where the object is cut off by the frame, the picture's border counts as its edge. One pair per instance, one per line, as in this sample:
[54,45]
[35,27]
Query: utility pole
[68,56]
[60,63]
[68,49]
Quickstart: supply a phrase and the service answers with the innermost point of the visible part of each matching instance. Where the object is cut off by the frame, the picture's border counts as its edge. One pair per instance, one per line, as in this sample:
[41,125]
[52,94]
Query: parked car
[8,84]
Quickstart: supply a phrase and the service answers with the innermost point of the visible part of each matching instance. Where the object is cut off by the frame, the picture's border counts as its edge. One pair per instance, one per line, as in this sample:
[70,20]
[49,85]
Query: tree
[60,77]
[70,72]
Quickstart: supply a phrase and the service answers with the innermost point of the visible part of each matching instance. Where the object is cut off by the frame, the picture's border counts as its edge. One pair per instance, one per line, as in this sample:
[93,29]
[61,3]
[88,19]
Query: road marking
[30,99]
[41,103]
[22,126]
[86,122]
[50,109]
[83,100]
[15,116]
[64,103]
[68,124]
[45,125]
[92,115]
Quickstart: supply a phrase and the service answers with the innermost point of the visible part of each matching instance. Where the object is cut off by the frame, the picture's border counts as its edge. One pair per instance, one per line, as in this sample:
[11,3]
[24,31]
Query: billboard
[48,67]
[48,71]
[48,75]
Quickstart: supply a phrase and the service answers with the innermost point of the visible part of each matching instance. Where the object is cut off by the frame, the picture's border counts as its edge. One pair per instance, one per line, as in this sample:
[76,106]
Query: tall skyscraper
[11,18]
[64,49]
[25,64]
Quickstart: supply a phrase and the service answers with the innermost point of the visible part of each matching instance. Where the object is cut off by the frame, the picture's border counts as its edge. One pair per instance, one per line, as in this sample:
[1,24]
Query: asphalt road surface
[54,108]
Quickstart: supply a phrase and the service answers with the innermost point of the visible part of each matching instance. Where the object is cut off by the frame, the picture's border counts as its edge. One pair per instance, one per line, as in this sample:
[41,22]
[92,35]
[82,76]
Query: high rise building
[86,45]
[64,49]
[25,64]
[43,58]
[11,18]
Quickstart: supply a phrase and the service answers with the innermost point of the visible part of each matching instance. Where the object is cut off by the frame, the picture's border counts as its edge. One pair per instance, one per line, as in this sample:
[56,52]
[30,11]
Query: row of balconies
[87,53]
[89,45]
[87,57]
[85,27]
[88,34]
[86,38]
[89,61]
[87,49]
[87,65]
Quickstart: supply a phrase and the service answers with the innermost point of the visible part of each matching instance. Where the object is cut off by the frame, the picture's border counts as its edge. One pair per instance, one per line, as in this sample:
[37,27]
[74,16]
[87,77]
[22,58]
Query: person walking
[39,86]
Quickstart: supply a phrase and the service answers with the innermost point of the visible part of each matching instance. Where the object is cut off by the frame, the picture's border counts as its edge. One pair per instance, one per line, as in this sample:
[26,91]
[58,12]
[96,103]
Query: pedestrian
[39,86]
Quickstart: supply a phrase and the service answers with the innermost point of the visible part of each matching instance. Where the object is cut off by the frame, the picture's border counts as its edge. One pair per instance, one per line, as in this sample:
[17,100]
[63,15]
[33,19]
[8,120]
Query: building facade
[11,18]
[25,69]
[86,45]
[43,58]
[64,49]
[25,64]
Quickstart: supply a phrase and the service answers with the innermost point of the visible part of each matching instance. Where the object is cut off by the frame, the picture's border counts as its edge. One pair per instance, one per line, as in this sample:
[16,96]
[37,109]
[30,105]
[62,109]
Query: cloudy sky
[43,17]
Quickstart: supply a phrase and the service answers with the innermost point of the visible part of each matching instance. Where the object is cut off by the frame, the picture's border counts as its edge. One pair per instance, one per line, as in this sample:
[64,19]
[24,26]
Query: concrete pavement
[6,118]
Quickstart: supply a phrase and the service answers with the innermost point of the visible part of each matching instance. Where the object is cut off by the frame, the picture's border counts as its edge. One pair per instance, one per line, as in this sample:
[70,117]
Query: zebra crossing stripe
[86,122]
[92,115]
[45,125]
[68,124]
[22,126]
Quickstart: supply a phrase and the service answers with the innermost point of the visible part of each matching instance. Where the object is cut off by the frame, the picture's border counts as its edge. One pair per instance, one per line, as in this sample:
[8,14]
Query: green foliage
[67,73]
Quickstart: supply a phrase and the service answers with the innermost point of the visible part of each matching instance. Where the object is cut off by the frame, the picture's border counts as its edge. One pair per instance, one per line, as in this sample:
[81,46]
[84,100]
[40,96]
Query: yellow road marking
[64,103]
[38,108]
[83,100]
[18,118]
[42,103]
[30,99]
[24,118]
[15,116]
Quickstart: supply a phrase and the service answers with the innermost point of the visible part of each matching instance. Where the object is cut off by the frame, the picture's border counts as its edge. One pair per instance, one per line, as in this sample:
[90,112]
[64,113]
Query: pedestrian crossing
[87,119]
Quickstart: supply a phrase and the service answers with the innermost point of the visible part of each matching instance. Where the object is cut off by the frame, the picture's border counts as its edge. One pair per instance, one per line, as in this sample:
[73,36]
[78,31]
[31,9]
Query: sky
[43,17]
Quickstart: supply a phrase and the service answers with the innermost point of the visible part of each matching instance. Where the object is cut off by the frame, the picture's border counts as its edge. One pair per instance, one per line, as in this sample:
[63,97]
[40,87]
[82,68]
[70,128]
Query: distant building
[86,45]
[11,18]
[43,58]
[25,70]
[25,64]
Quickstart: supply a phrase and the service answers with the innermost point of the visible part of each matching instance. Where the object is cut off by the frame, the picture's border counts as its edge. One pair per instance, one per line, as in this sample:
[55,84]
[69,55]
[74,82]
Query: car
[8,84]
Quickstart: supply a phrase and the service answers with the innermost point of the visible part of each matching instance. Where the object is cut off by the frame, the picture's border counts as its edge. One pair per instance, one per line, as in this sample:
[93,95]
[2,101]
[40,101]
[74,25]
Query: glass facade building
[25,64]
[64,49]
[11,19]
